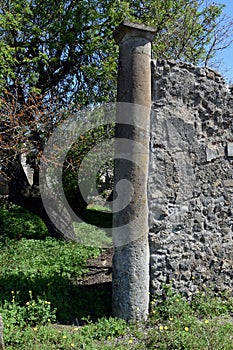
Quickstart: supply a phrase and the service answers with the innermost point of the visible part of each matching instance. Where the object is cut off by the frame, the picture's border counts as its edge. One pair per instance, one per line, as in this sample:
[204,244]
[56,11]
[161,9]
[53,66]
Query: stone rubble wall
[190,186]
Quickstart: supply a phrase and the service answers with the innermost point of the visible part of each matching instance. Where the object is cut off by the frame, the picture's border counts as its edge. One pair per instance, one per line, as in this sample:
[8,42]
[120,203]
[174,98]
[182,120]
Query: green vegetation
[73,178]
[57,57]
[44,307]
[16,222]
[92,236]
[204,323]
[68,47]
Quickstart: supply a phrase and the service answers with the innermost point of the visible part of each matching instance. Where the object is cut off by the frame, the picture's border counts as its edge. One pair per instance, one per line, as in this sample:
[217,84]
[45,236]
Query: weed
[182,325]
[43,307]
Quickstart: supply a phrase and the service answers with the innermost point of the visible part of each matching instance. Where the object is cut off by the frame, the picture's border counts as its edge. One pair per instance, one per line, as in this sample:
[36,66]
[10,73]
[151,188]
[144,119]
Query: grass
[43,308]
[92,236]
[94,230]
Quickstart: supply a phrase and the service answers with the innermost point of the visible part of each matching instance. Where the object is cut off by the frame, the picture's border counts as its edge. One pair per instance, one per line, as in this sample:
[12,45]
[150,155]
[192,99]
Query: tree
[66,47]
[58,57]
[24,130]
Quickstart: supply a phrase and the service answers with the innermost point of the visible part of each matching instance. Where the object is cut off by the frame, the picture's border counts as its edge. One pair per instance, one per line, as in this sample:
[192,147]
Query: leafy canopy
[66,48]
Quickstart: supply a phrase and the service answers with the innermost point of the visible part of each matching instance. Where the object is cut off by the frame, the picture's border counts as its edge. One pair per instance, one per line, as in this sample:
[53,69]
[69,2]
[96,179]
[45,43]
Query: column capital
[132,29]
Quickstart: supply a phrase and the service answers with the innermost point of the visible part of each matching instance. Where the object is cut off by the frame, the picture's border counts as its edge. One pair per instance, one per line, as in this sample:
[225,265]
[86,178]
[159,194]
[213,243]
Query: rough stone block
[230,150]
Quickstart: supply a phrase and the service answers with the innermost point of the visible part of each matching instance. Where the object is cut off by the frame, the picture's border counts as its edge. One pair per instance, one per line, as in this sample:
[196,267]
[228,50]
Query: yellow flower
[161,328]
[64,337]
[75,329]
[130,341]
[27,303]
[170,319]
[153,302]
[72,344]
[166,328]
[35,329]
[186,329]
[177,300]
[206,321]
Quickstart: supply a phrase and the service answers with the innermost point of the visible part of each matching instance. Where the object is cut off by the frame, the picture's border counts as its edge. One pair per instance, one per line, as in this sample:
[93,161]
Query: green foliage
[48,269]
[72,178]
[203,304]
[16,222]
[93,237]
[19,316]
[38,292]
[185,29]
[67,46]
[59,56]
[195,325]
[105,328]
[39,258]
[50,337]
[182,330]
[208,304]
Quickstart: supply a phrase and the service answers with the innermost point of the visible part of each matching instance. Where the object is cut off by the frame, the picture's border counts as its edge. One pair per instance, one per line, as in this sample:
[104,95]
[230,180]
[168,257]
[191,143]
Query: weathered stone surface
[132,29]
[134,68]
[2,347]
[230,150]
[130,292]
[190,185]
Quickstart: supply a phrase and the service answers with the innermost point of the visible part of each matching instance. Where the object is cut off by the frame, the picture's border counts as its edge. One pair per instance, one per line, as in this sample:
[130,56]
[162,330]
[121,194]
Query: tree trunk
[28,197]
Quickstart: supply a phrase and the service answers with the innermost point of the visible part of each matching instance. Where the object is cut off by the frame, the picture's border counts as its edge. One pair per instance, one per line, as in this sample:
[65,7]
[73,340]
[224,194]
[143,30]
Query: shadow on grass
[72,302]
[101,219]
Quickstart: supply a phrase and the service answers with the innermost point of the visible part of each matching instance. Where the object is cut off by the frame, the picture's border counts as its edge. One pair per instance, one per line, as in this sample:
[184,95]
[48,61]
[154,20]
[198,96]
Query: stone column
[130,299]
[2,347]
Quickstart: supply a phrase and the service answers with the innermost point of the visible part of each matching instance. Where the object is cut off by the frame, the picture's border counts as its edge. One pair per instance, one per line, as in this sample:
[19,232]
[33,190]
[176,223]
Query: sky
[226,56]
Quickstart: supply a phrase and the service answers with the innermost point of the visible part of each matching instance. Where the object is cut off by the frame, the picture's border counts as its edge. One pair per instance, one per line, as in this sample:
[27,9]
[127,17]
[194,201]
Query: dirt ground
[100,269]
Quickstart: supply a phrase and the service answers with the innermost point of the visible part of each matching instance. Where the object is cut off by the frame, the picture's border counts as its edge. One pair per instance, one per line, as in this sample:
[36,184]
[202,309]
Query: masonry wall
[190,185]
